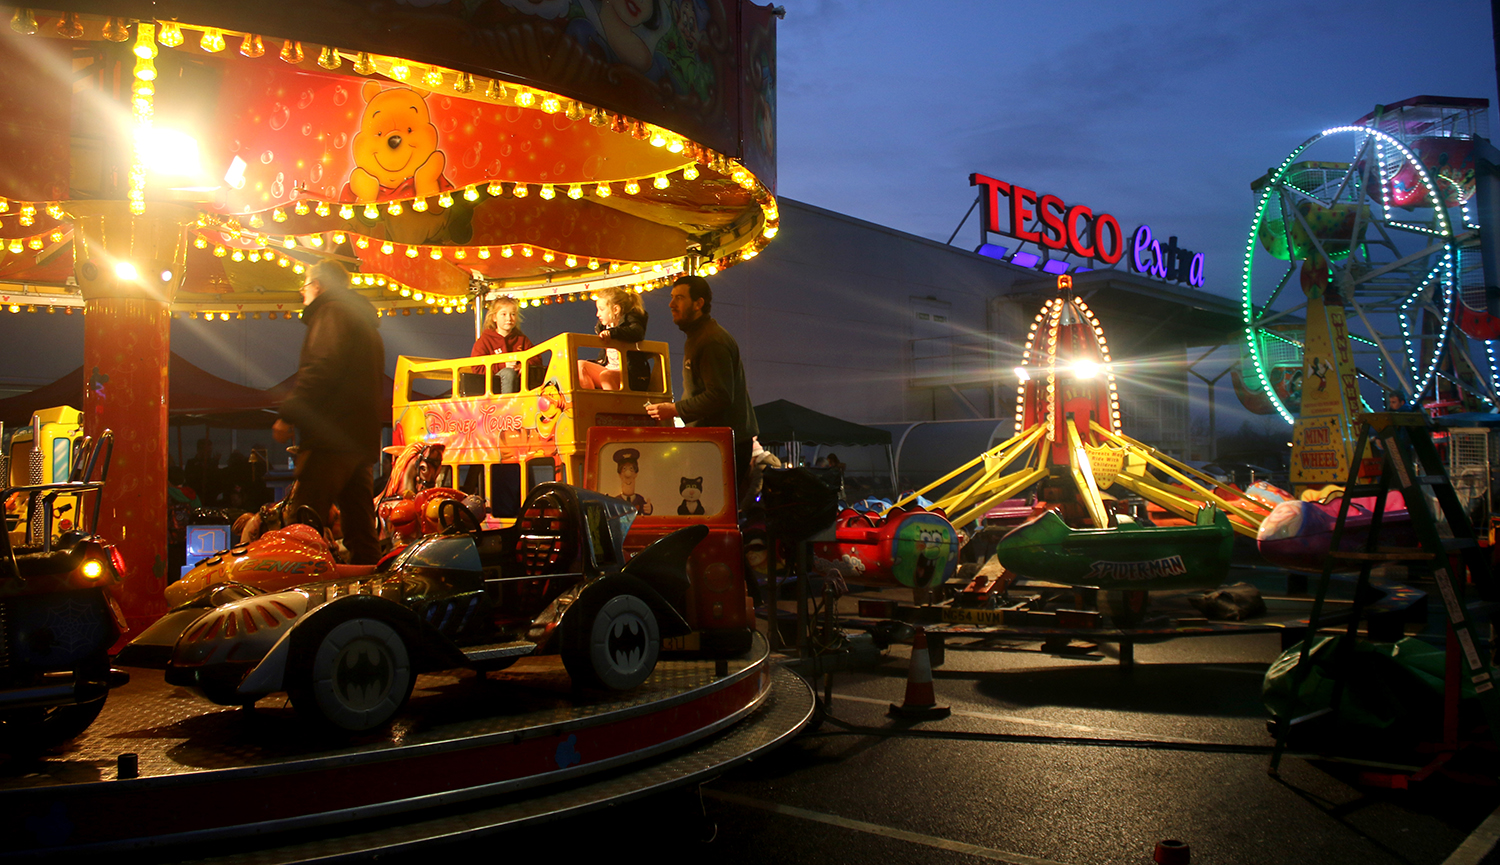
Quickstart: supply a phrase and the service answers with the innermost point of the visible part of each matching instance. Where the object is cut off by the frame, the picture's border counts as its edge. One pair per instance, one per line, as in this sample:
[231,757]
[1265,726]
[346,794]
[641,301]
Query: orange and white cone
[920,703]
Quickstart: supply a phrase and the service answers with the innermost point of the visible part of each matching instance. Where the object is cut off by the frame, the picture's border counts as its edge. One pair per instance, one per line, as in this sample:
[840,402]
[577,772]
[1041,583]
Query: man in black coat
[713,378]
[338,405]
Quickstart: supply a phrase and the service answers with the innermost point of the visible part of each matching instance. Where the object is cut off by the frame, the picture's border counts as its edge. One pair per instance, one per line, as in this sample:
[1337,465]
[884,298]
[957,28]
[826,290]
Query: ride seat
[34,562]
[539,547]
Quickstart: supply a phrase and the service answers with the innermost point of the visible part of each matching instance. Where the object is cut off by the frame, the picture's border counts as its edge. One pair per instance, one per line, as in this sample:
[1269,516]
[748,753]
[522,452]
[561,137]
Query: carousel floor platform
[214,782]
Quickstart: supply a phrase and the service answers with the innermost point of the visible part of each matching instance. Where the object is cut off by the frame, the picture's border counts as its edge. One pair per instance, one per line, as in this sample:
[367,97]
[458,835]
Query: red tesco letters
[1075,228]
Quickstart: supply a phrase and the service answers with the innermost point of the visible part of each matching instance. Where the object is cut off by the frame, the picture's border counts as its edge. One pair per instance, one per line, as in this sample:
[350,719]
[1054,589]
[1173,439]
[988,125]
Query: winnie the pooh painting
[396,151]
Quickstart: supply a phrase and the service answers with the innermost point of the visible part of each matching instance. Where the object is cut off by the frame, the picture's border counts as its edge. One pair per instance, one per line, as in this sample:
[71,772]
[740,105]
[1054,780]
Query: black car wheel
[613,644]
[27,730]
[354,675]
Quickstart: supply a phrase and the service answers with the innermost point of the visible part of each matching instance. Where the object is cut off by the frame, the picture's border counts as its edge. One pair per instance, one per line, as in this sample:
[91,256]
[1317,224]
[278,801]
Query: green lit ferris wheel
[1373,217]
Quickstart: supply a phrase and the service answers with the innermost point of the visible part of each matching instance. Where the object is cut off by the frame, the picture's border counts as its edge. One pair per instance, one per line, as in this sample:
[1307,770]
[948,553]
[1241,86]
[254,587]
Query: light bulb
[252,46]
[69,27]
[114,29]
[145,45]
[170,35]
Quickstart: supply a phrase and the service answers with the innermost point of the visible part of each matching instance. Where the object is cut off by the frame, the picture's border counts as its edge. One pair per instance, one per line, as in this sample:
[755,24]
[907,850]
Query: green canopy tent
[785,422]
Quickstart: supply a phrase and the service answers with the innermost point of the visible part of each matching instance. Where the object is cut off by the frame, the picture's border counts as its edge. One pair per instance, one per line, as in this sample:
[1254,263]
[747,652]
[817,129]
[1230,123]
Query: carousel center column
[128,268]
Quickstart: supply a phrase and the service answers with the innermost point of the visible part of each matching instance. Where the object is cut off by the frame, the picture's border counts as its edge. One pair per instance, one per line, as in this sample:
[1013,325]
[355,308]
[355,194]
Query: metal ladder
[1410,464]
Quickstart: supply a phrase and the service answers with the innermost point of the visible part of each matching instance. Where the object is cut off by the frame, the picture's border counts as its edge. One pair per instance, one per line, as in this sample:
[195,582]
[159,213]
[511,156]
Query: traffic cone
[919,704]
[1172,852]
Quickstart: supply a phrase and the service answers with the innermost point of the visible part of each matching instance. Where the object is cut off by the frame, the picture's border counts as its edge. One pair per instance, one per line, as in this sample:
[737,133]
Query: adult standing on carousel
[713,378]
[337,406]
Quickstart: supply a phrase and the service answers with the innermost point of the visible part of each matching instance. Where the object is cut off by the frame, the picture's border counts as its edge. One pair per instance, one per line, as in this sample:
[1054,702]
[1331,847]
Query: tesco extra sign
[1052,223]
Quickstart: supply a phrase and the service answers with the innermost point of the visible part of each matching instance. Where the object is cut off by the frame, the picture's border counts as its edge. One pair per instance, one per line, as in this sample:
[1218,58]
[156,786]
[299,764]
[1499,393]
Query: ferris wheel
[1372,217]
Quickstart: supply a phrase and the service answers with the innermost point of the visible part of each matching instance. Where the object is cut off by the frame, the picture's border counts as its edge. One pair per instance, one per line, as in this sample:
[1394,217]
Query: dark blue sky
[1158,112]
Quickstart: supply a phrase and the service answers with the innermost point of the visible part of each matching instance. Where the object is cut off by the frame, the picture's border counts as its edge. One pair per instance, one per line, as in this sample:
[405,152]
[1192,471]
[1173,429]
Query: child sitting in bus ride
[621,318]
[502,334]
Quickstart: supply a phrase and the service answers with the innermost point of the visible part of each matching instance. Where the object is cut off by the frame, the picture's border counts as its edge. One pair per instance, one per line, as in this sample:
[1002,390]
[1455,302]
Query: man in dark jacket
[338,405]
[713,378]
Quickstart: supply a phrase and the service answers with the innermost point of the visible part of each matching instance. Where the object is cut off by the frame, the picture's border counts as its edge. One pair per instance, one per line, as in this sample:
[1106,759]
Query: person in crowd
[502,334]
[202,471]
[181,502]
[235,480]
[713,378]
[621,318]
[257,493]
[760,460]
[338,406]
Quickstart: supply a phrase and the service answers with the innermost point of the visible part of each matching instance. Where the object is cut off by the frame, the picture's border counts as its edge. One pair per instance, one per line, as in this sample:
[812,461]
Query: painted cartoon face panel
[926,550]
[550,406]
[396,146]
[687,472]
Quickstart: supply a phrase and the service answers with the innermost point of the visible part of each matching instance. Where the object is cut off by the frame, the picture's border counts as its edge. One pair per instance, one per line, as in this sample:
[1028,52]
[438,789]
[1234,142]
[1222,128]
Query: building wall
[829,317]
[824,316]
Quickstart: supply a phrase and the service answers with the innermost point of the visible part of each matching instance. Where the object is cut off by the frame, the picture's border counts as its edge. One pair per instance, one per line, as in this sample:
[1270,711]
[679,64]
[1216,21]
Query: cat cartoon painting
[692,492]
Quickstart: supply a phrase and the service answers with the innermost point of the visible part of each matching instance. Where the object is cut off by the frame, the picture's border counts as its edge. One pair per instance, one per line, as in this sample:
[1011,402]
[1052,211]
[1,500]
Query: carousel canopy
[440,151]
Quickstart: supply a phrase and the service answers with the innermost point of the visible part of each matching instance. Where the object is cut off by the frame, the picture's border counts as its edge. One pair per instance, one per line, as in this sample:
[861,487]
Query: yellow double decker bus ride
[499,445]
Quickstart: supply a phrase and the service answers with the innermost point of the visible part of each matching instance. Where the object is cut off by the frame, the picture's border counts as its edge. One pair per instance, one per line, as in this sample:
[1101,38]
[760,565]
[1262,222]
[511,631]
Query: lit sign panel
[1051,223]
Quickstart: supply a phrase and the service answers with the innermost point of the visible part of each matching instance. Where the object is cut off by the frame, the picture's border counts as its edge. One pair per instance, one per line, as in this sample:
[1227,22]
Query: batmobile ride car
[58,620]
[348,650]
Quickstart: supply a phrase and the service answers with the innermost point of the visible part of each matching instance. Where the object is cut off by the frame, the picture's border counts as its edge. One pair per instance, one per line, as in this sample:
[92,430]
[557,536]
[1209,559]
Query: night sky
[1158,112]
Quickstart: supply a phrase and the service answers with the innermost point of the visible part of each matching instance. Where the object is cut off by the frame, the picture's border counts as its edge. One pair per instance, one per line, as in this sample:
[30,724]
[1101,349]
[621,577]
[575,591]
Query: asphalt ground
[1030,769]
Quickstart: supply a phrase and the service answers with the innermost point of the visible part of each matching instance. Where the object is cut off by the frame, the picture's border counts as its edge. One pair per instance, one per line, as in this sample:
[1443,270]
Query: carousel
[193,160]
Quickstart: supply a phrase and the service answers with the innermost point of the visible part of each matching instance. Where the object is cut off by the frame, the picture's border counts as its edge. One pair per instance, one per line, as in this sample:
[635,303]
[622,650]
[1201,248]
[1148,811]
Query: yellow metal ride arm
[985,486]
[1245,515]
[1083,476]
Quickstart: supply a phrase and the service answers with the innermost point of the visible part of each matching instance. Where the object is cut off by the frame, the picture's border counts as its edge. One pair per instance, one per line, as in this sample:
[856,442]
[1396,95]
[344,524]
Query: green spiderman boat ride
[1128,557]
